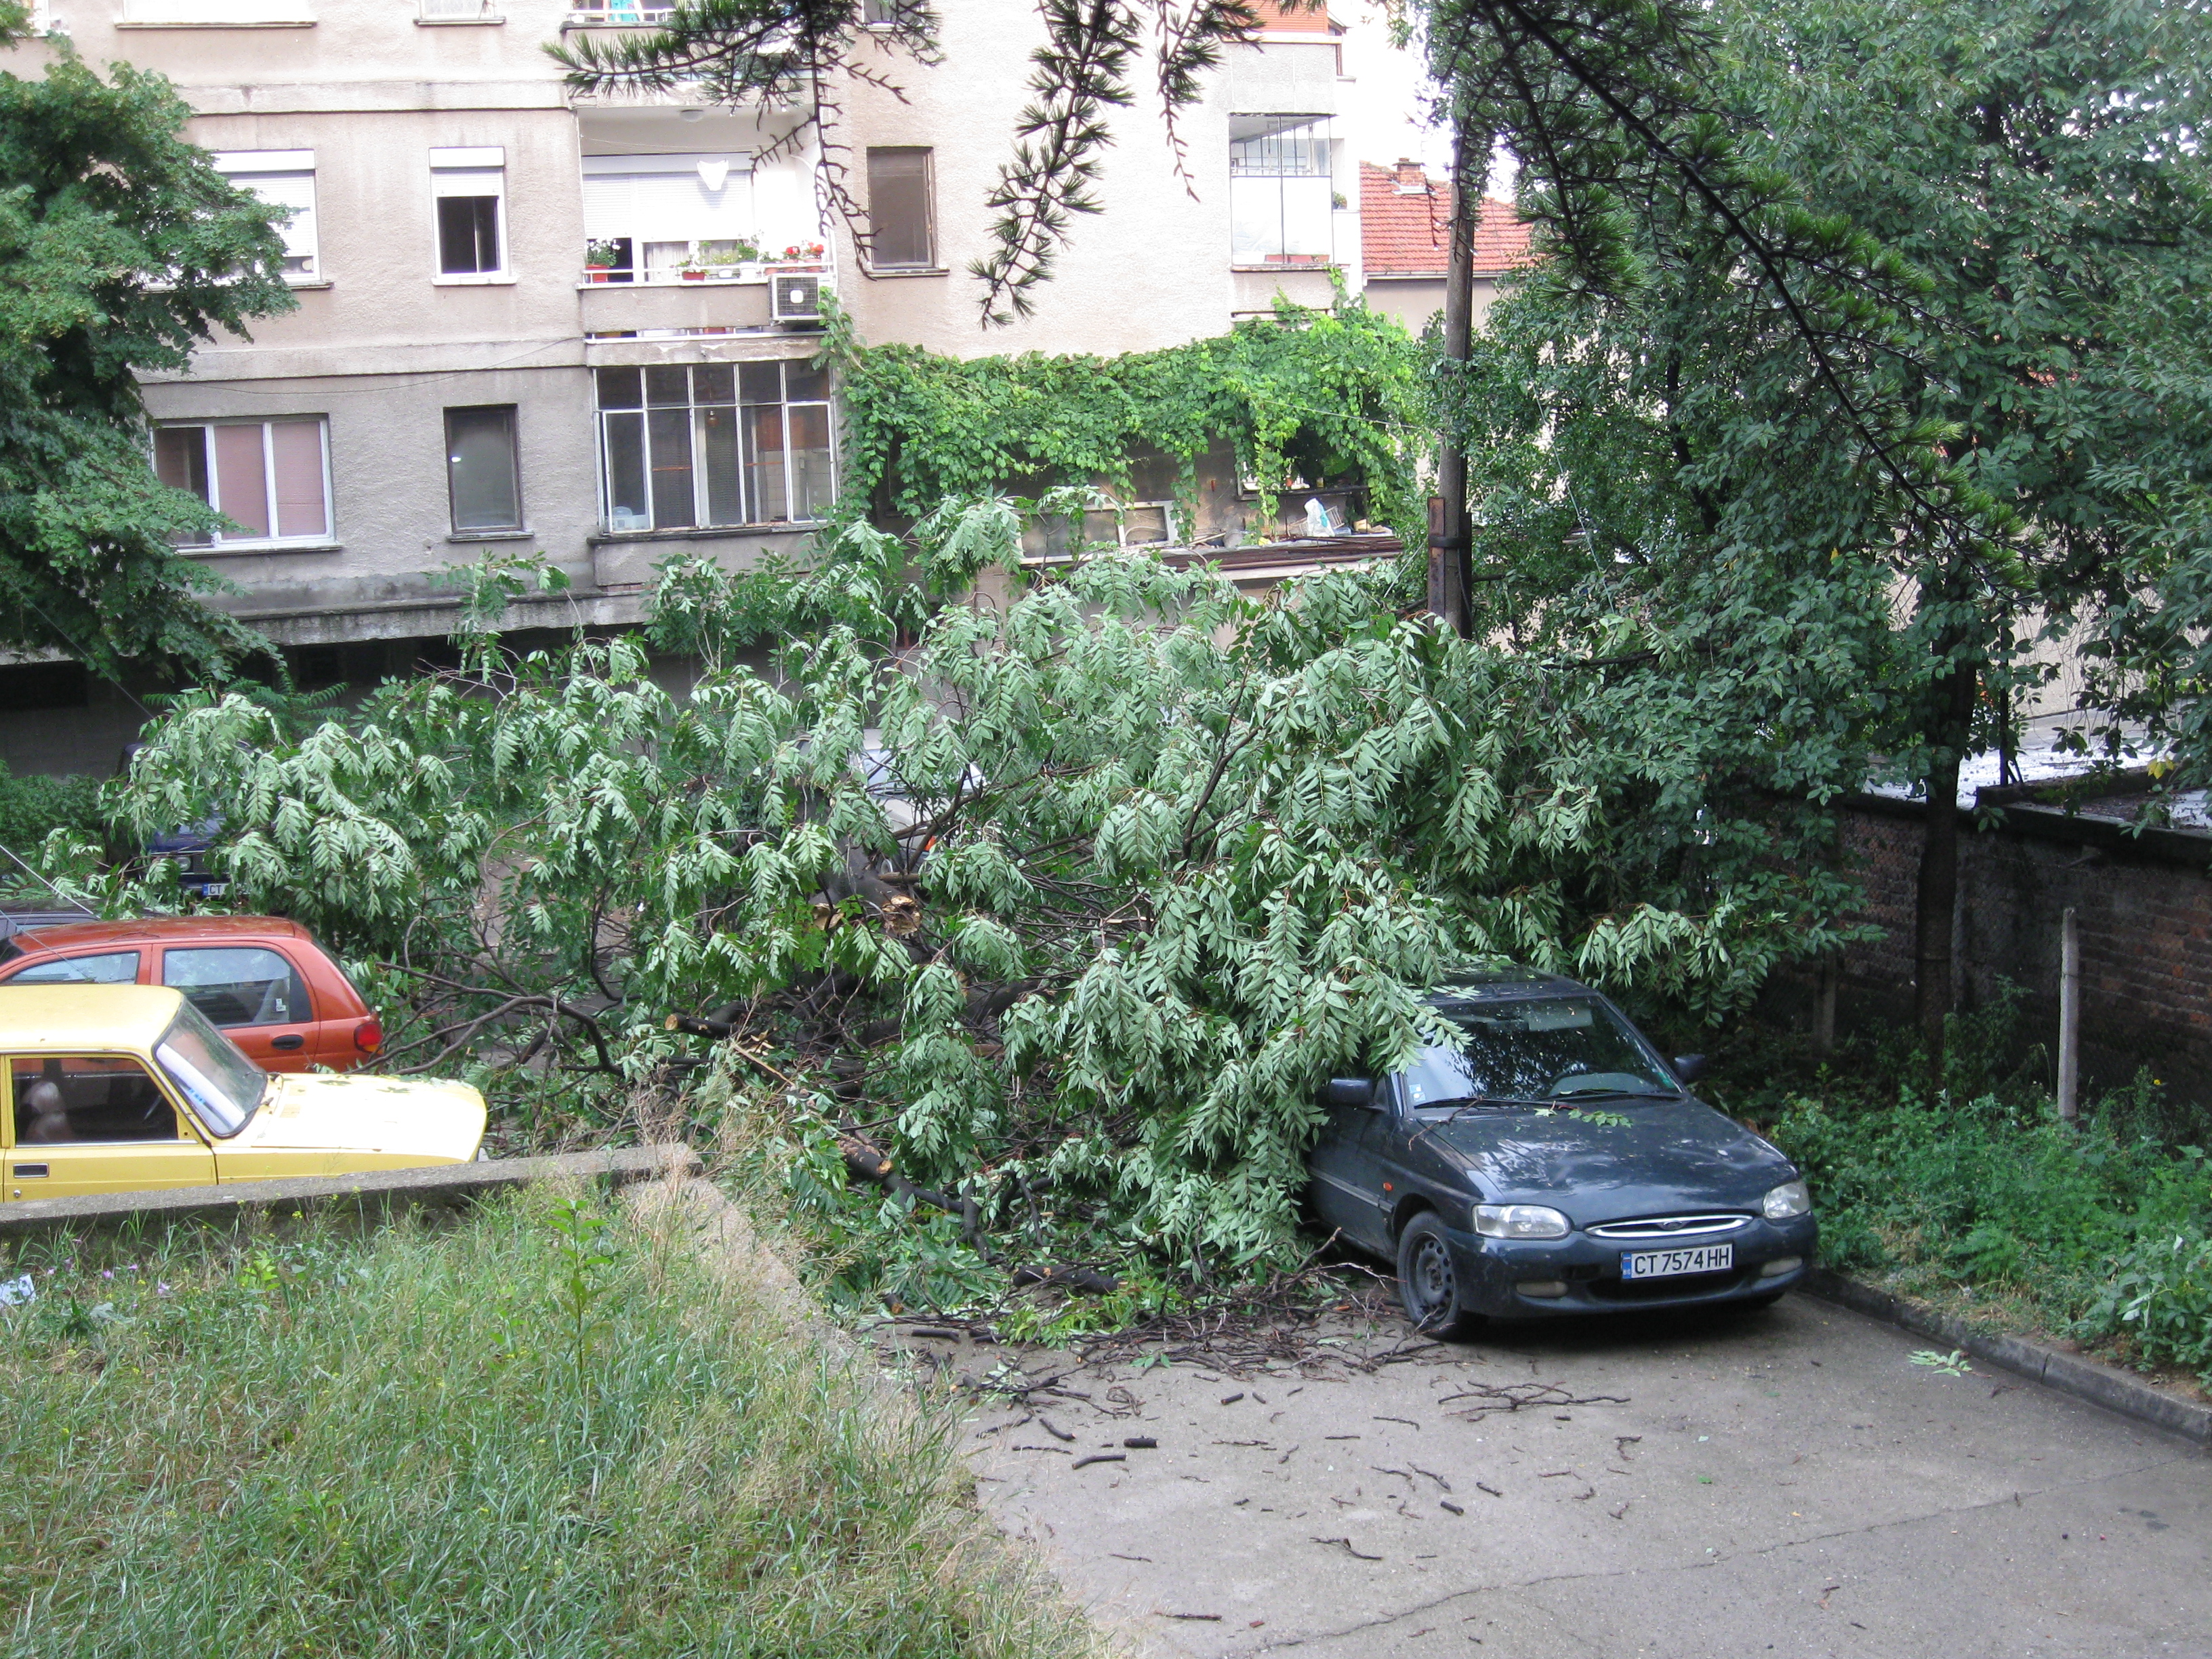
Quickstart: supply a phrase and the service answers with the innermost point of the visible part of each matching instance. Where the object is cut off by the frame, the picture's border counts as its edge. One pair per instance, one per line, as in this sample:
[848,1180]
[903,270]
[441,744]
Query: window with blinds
[285,178]
[269,478]
[663,213]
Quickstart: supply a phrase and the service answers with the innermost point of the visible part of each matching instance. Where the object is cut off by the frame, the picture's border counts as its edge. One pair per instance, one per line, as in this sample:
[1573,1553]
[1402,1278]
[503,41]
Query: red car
[272,989]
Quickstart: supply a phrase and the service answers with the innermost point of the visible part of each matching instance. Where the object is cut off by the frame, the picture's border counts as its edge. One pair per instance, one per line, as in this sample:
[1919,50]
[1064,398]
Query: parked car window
[238,985]
[222,1084]
[109,967]
[65,1099]
[1543,1049]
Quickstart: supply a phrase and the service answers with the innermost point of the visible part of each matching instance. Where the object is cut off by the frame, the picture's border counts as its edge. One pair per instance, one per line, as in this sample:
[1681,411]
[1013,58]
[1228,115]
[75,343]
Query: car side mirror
[1689,1067]
[1349,1092]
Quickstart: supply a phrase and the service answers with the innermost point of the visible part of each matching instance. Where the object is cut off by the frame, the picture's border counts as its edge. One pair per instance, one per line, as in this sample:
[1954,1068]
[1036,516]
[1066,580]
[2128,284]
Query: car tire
[1428,1286]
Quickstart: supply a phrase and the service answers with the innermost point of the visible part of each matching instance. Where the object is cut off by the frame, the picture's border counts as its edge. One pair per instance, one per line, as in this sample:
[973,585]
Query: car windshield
[222,1084]
[1541,1048]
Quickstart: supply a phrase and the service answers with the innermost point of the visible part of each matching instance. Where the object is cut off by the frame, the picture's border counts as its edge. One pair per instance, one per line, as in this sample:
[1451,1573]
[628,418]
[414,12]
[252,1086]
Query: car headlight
[1520,1221]
[1790,1198]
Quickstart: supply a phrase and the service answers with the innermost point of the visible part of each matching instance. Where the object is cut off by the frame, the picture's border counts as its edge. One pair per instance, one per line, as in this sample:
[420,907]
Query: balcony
[672,307]
[615,13]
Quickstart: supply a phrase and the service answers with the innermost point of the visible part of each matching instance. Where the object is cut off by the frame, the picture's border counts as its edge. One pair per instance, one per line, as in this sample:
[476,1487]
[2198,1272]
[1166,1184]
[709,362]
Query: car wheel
[1428,1288]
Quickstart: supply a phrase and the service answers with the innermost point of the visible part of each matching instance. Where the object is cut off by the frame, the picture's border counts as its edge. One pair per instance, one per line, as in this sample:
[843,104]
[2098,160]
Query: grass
[1961,1187]
[538,1430]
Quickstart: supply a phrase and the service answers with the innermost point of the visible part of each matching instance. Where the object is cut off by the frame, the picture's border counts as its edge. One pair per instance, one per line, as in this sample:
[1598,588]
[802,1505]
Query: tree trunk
[1935,983]
[1451,550]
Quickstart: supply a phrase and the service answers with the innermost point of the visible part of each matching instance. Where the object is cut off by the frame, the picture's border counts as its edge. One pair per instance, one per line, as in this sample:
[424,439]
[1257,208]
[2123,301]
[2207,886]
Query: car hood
[1676,1156]
[436,1121]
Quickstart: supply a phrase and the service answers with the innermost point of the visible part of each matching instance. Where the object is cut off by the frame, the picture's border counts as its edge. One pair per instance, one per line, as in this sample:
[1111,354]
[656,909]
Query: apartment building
[581,329]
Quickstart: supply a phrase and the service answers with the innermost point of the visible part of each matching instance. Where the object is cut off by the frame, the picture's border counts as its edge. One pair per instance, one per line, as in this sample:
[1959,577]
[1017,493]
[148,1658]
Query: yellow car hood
[437,1123]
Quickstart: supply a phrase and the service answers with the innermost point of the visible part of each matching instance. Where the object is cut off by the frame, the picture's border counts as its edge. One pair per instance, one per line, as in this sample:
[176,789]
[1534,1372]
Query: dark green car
[1554,1164]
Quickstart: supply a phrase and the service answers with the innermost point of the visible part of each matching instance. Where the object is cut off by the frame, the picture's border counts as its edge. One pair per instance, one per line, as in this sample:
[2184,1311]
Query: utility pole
[1451,552]
[2070,1017]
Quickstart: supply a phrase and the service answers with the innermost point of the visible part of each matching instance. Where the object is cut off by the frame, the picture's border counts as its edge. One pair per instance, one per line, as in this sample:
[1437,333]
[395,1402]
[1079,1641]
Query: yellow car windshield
[222,1084]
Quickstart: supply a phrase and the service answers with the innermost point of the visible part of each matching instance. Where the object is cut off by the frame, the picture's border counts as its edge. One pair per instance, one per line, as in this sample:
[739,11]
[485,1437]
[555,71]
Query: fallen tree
[1054,912]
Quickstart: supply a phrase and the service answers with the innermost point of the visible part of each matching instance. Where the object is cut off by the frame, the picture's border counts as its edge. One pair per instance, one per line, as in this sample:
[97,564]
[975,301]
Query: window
[1280,198]
[270,478]
[238,985]
[62,1099]
[213,1072]
[285,178]
[660,215]
[902,210]
[714,444]
[109,968]
[470,186]
[482,478]
[216,11]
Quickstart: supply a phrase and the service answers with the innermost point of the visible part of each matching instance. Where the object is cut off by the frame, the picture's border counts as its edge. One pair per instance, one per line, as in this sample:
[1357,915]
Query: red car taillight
[368,1036]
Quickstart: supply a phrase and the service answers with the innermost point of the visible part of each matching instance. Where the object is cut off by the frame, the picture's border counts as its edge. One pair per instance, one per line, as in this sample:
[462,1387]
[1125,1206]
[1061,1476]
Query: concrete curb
[2099,1384]
[443,1183]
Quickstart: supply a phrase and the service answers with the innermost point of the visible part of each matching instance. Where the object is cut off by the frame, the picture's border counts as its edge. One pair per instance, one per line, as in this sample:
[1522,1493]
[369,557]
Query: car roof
[85,1016]
[1504,984]
[155,930]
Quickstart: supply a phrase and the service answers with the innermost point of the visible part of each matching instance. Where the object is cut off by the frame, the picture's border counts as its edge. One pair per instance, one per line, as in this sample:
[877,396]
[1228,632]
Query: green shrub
[32,806]
[1997,1199]
[2161,1298]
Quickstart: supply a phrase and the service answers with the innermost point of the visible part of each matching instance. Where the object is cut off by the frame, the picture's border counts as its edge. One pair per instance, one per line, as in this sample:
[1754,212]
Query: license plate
[1666,1264]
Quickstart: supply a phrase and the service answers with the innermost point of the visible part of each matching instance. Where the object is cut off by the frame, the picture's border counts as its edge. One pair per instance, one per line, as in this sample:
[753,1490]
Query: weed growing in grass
[316,1443]
[580,1279]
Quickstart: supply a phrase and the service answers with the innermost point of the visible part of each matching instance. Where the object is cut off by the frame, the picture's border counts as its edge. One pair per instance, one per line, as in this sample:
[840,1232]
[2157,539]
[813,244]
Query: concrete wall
[1151,270]
[1414,300]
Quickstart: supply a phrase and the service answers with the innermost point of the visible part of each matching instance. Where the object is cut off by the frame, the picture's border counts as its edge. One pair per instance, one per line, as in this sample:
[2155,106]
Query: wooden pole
[2070,1018]
[1451,553]
[1823,1009]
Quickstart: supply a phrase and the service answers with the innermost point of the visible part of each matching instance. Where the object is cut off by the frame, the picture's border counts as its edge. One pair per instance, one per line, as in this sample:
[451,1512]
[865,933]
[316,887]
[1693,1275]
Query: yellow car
[121,1088]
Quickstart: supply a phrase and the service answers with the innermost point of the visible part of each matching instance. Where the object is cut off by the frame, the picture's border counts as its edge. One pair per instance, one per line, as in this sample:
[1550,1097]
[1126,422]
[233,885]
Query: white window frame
[464,171]
[619,14]
[259,171]
[701,522]
[217,541]
[1325,178]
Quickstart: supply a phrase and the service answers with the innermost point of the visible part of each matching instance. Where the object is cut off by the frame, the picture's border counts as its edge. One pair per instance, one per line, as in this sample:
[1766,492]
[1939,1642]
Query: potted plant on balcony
[799,256]
[726,260]
[601,257]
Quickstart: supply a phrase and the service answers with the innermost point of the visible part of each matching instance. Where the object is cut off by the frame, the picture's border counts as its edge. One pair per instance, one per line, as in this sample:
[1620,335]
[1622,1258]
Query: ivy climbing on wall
[1334,397]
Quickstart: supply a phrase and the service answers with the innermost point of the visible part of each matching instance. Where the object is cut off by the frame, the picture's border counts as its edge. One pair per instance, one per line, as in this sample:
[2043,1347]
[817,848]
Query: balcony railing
[620,14]
[709,260]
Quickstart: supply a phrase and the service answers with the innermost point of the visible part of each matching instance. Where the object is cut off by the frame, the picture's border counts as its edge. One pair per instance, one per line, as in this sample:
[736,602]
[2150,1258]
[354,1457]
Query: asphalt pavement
[1789,1482]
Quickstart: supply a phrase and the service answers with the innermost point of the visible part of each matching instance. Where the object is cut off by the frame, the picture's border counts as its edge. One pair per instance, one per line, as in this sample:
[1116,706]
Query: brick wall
[2143,906]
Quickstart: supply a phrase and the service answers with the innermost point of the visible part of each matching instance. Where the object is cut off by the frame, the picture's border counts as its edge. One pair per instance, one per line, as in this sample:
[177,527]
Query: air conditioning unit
[794,298]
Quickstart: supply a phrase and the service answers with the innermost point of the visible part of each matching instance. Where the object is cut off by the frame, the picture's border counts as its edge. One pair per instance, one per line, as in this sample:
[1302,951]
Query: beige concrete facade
[378,110]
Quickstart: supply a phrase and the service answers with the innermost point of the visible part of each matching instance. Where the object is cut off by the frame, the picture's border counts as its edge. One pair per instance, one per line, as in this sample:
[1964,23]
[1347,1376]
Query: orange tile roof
[1289,17]
[1404,225]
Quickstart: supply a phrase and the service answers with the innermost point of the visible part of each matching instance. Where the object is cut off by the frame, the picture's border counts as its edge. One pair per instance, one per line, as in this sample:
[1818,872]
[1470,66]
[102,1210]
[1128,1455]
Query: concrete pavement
[1787,1482]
